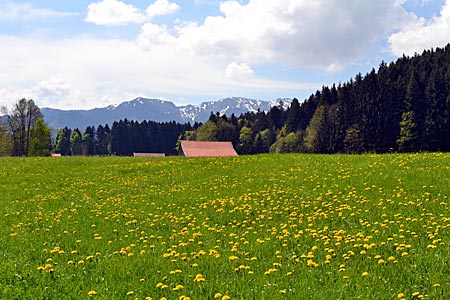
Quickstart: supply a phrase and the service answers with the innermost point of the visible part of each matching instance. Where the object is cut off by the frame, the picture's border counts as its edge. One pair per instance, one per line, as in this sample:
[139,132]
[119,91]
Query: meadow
[250,227]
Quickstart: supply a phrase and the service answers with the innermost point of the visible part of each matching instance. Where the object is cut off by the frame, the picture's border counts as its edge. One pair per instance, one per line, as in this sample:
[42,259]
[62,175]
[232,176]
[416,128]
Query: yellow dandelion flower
[130,293]
[365,274]
[415,294]
[436,285]
[217,295]
[92,293]
[178,287]
[199,278]
[282,291]
[400,296]
[226,297]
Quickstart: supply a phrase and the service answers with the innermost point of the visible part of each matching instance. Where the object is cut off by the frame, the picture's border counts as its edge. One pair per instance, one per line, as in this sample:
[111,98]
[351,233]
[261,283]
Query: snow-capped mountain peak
[141,109]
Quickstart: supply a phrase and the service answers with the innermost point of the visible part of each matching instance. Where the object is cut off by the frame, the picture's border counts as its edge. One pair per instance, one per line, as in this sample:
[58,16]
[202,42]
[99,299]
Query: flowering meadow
[250,227]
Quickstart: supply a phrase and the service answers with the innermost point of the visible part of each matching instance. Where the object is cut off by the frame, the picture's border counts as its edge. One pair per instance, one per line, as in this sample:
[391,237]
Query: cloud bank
[421,34]
[326,34]
[116,12]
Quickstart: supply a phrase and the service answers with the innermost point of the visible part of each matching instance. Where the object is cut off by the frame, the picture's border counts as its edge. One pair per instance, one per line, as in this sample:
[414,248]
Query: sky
[93,53]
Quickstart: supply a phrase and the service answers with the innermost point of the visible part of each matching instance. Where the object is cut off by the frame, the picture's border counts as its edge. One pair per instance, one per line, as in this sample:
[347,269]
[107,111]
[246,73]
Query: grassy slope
[256,227]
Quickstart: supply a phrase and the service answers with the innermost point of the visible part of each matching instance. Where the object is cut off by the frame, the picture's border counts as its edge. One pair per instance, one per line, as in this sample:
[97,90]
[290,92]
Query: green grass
[253,227]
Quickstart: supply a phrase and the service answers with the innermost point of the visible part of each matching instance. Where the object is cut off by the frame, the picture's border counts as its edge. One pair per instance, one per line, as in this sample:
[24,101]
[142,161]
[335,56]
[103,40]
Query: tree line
[401,107]
[23,132]
[122,139]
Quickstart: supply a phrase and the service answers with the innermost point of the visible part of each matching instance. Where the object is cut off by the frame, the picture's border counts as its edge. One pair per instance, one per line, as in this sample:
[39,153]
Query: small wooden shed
[210,149]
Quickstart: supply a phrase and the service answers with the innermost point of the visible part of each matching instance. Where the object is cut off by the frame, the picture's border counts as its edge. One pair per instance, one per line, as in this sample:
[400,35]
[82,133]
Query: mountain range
[141,109]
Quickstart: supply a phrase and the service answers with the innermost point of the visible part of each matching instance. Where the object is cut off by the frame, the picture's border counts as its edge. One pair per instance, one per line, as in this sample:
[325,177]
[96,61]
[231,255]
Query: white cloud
[239,71]
[422,34]
[85,73]
[160,8]
[297,33]
[113,12]
[116,12]
[152,35]
[26,12]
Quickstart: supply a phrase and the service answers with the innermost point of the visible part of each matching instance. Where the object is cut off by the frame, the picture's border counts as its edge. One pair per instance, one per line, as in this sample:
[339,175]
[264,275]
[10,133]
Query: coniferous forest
[404,106]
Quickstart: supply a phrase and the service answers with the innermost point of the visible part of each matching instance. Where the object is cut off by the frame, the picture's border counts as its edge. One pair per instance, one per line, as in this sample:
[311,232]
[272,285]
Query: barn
[137,154]
[209,149]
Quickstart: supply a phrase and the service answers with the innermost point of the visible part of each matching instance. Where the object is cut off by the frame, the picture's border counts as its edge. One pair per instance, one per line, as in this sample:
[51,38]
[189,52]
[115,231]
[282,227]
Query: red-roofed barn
[211,149]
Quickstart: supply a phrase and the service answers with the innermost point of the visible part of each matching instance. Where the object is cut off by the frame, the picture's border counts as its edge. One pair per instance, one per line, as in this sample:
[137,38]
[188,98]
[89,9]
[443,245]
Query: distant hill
[141,109]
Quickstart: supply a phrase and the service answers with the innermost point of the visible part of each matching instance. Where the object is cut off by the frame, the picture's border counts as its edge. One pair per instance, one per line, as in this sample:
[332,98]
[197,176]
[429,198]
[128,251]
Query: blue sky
[93,53]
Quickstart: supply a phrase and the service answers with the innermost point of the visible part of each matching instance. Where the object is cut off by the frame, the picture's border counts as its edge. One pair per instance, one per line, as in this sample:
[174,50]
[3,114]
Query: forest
[404,106]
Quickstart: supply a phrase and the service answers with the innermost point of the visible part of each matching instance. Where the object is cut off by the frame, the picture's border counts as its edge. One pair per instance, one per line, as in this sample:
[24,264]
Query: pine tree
[63,141]
[75,142]
[293,116]
[408,133]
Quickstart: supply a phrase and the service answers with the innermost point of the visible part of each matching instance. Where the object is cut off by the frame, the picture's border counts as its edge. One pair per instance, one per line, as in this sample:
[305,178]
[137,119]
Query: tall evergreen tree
[293,116]
[63,141]
[76,142]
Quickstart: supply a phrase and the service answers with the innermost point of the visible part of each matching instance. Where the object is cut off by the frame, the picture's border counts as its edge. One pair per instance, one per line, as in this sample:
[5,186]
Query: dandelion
[226,297]
[364,274]
[436,285]
[270,271]
[199,278]
[92,293]
[217,295]
[400,296]
[178,287]
[130,293]
[282,291]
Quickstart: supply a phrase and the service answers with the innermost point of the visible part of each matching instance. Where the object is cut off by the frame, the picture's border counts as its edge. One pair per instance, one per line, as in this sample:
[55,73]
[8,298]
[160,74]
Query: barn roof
[138,154]
[194,149]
